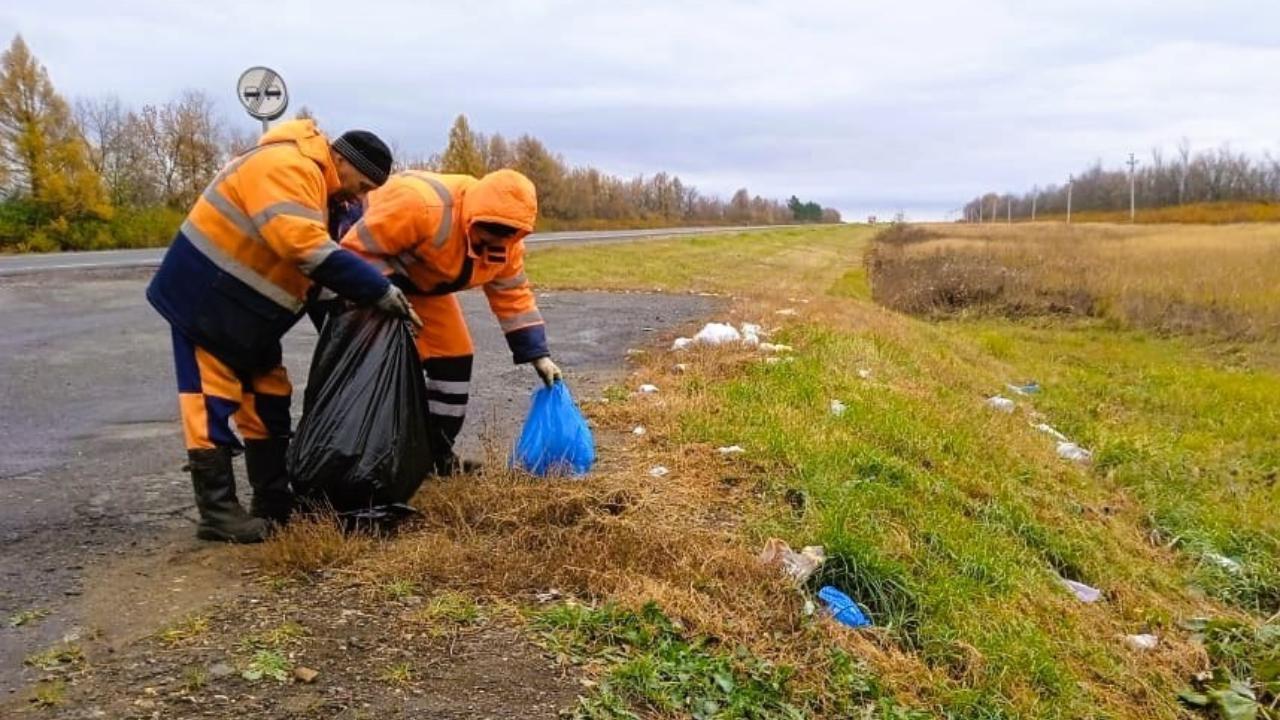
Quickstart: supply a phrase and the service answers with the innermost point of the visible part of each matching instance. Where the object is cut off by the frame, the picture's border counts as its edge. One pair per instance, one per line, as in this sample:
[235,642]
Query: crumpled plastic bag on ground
[1030,388]
[1001,404]
[1083,592]
[717,334]
[1049,430]
[843,608]
[1142,642]
[1224,562]
[722,334]
[1073,452]
[555,438]
[797,565]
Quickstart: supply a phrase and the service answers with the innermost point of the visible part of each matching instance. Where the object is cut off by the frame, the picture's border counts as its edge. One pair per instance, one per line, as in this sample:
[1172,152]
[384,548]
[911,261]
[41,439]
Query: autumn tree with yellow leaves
[44,159]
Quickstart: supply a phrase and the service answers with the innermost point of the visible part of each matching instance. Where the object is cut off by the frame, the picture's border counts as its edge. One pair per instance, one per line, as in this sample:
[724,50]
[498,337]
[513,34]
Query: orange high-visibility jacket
[417,229]
[235,277]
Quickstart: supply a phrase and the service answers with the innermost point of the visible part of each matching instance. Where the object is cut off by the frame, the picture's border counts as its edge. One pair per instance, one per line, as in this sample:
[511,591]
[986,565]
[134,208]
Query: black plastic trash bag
[364,438]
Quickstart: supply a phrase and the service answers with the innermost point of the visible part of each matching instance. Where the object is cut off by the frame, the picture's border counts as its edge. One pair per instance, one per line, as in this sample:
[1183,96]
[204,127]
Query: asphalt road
[21,264]
[90,446]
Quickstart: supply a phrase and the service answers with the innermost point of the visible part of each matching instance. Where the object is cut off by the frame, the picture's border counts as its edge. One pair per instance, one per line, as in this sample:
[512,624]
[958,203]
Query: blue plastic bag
[843,608]
[555,439]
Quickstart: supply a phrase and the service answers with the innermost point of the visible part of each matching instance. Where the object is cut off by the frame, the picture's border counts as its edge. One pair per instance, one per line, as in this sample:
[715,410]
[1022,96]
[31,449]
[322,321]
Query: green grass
[657,668]
[953,525]
[1189,429]
[266,664]
[187,629]
[792,256]
[60,657]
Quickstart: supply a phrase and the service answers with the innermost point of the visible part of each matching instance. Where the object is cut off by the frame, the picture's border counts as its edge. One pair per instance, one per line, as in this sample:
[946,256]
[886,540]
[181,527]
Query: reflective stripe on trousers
[211,395]
[448,392]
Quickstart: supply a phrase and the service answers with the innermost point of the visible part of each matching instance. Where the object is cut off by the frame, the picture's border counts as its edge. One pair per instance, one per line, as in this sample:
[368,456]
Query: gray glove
[395,302]
[547,370]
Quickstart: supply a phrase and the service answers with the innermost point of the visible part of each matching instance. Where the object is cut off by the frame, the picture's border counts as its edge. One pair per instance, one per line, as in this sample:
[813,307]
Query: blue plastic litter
[843,608]
[1030,388]
[555,439]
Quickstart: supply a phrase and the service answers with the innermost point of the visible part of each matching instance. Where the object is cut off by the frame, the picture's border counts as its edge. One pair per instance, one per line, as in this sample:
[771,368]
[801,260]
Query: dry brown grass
[618,535]
[1222,280]
[309,544]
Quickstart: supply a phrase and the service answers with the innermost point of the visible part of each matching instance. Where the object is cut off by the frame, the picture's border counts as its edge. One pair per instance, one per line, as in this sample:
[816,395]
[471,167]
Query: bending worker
[437,235]
[233,282]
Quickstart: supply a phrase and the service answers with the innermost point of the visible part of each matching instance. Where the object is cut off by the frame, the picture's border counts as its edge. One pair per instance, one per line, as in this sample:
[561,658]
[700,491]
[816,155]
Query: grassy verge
[955,526]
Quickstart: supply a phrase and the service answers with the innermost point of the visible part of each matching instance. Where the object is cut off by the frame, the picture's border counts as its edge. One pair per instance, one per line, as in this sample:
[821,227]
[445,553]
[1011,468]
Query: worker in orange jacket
[435,235]
[233,282]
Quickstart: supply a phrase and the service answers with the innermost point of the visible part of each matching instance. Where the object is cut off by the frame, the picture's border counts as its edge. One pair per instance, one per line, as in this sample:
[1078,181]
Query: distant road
[150,257]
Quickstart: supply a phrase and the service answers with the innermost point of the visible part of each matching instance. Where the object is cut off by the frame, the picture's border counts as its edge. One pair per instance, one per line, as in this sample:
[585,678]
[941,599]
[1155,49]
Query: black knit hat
[366,152]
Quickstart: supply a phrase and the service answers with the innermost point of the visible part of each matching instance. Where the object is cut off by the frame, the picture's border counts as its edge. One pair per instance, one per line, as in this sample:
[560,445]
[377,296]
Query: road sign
[262,93]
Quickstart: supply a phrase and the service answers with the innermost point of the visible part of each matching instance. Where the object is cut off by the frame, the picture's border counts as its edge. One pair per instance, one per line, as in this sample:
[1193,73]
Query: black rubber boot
[222,518]
[265,462]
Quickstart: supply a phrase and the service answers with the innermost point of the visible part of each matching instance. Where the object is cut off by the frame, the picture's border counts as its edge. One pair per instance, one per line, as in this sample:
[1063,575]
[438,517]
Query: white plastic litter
[639,431]
[1083,592]
[864,373]
[659,471]
[751,340]
[1001,404]
[1224,562]
[731,450]
[751,329]
[1073,452]
[681,367]
[772,348]
[549,596]
[1047,429]
[786,311]
[717,334]
[1141,642]
[797,565]
[837,408]
[682,343]
[648,389]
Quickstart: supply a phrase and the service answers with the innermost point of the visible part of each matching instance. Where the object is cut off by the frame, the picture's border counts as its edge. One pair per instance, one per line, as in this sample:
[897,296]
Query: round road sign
[262,92]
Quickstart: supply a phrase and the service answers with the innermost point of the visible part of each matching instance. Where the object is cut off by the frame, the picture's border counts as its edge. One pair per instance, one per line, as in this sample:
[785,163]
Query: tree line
[578,196]
[100,174]
[1160,181]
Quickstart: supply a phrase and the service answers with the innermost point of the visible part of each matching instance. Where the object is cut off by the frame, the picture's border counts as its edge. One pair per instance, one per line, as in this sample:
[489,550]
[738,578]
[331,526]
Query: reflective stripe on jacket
[417,227]
[235,277]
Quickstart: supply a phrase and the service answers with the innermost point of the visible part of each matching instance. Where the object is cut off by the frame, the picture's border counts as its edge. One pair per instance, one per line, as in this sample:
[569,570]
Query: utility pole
[1071,179]
[1132,163]
[995,208]
[1008,209]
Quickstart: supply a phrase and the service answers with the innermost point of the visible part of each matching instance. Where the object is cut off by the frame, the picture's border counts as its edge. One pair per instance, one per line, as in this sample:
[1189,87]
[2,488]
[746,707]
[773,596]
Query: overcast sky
[867,107]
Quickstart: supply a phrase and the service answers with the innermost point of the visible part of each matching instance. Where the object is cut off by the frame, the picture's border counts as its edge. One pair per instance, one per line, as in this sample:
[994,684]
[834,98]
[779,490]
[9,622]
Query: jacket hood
[503,196]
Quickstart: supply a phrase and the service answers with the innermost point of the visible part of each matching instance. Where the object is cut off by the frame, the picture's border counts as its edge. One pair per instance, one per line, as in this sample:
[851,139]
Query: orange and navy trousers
[211,396]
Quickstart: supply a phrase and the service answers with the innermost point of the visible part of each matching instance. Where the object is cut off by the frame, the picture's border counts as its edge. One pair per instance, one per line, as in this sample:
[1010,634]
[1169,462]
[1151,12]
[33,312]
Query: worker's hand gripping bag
[363,440]
[555,439]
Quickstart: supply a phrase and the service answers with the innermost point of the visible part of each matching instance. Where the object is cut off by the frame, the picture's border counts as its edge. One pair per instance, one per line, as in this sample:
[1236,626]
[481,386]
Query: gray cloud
[869,107]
